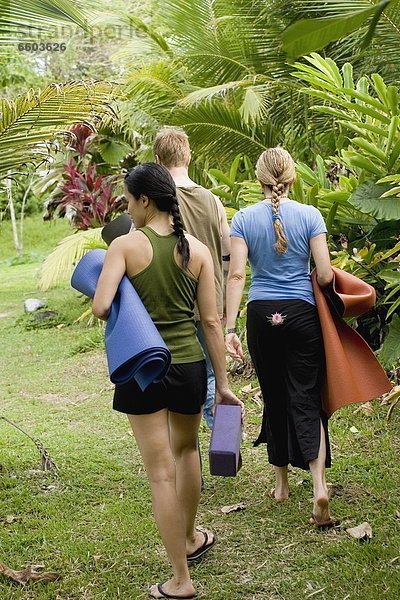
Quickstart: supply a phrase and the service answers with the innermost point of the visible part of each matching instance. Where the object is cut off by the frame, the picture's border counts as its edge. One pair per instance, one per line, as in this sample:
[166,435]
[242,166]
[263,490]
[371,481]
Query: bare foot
[170,589]
[321,517]
[279,494]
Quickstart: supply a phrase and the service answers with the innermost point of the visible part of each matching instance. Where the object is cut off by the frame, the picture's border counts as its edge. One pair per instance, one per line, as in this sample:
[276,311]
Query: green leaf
[367,199]
[393,98]
[362,128]
[371,30]
[390,276]
[338,197]
[234,167]
[112,151]
[361,162]
[394,306]
[33,119]
[392,133]
[59,265]
[308,35]
[380,87]
[24,20]
[253,108]
[152,33]
[370,148]
[394,155]
[347,71]
[384,234]
[393,192]
[222,177]
[331,216]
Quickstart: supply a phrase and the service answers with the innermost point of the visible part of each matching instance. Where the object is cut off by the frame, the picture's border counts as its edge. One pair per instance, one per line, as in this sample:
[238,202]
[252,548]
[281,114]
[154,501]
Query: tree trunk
[17,244]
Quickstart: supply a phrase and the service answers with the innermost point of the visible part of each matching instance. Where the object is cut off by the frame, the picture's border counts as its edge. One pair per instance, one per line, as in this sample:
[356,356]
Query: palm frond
[208,93]
[308,35]
[217,132]
[226,39]
[26,19]
[256,103]
[384,42]
[60,263]
[155,87]
[30,121]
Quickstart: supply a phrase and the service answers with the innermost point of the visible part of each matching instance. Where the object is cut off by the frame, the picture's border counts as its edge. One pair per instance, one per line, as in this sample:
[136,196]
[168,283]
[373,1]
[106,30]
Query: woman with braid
[277,236]
[170,271]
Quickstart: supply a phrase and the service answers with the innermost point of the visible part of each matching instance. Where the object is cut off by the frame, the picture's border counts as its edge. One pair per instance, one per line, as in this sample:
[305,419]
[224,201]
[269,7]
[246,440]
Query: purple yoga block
[226,436]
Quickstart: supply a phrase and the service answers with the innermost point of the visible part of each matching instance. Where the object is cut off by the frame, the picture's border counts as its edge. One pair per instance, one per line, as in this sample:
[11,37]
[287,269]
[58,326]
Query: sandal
[164,594]
[205,547]
[328,524]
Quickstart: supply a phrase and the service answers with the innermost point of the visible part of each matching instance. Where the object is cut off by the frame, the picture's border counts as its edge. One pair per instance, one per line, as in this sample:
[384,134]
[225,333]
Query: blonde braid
[281,244]
[275,169]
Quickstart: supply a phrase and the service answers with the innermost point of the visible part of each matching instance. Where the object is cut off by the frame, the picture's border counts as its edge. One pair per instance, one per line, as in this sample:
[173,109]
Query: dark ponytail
[155,182]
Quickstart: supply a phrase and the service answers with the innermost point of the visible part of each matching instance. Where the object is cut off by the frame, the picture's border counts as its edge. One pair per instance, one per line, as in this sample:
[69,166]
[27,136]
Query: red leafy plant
[85,198]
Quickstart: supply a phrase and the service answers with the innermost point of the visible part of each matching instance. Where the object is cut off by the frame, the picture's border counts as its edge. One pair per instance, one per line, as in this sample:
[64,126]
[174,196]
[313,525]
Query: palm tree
[219,71]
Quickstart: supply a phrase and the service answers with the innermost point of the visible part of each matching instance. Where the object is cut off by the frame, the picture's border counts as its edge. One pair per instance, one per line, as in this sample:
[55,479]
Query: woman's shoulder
[303,208]
[195,244]
[128,240]
[248,211]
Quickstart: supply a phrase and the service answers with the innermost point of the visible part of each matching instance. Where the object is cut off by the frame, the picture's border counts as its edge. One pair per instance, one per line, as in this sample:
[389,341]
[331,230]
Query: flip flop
[205,547]
[165,595]
[329,523]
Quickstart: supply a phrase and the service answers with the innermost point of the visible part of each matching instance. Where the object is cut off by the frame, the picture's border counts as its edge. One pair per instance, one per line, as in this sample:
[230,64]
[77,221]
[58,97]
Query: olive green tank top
[168,292]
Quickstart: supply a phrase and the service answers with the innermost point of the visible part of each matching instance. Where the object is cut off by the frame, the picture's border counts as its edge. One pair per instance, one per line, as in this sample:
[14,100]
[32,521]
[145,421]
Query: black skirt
[289,362]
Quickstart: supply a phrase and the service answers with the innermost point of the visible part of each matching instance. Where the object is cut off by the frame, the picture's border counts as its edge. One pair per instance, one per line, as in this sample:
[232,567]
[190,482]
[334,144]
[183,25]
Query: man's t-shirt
[200,217]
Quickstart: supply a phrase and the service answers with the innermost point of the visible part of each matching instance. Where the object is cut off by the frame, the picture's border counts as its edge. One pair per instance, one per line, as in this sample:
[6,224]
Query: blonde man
[203,215]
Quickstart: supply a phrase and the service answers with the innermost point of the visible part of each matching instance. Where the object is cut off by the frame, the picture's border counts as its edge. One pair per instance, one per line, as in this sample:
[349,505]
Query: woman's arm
[322,259]
[234,292]
[113,270]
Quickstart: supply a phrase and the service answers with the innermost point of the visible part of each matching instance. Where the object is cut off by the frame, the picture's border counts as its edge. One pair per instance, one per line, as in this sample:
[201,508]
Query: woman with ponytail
[277,236]
[170,270]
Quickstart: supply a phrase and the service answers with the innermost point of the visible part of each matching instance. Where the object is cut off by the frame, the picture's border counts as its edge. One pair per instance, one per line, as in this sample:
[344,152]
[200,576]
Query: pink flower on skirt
[276,318]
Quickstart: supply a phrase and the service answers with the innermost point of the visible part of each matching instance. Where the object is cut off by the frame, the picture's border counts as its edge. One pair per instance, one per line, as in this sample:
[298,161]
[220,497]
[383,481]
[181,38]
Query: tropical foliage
[364,32]
[32,122]
[360,203]
[29,18]
[59,264]
[86,199]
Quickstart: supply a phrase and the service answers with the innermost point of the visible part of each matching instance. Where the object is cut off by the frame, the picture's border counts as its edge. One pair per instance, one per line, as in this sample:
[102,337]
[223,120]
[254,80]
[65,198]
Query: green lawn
[92,523]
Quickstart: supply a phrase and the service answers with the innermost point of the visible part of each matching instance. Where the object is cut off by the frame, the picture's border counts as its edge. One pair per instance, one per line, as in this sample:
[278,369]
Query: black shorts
[183,390]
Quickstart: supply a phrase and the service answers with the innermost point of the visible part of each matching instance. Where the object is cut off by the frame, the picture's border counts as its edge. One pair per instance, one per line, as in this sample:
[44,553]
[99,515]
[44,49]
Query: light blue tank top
[279,276]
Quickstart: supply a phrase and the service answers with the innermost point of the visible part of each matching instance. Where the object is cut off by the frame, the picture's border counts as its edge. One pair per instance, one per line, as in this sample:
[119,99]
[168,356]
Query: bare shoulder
[196,245]
[127,241]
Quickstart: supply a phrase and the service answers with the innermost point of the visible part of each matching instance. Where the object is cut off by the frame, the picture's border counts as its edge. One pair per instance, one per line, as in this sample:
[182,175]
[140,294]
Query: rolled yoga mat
[119,226]
[133,344]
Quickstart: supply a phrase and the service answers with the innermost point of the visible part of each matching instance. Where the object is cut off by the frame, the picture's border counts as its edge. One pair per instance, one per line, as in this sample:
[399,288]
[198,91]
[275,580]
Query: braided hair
[155,182]
[275,169]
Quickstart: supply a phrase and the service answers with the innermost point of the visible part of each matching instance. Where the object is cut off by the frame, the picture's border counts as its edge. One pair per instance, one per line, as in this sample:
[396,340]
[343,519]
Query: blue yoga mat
[134,347]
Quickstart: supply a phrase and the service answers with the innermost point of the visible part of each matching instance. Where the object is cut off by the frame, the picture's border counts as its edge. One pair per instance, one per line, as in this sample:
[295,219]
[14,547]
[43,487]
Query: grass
[92,523]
